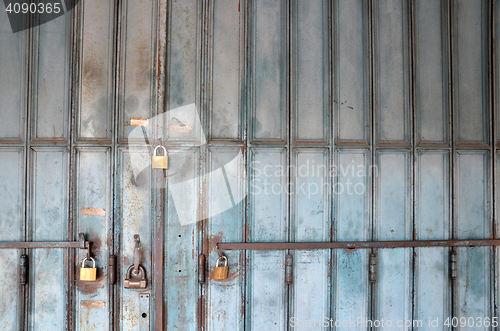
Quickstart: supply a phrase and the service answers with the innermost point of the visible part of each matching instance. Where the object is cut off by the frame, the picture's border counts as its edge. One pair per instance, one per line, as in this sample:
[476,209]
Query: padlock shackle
[164,150]
[218,260]
[85,259]
[141,271]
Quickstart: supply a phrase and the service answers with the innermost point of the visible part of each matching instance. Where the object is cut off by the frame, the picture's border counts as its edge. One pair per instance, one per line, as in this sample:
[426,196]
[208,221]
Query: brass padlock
[88,274]
[221,272]
[160,161]
[135,283]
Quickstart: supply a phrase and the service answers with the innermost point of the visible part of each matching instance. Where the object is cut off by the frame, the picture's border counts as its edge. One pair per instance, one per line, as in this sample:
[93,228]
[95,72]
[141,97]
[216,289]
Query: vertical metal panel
[137,63]
[93,191]
[431,71]
[352,195]
[268,189]
[432,221]
[393,222]
[352,70]
[136,215]
[12,163]
[310,221]
[269,63]
[473,220]
[310,70]
[52,80]
[183,70]
[96,75]
[391,71]
[49,191]
[227,72]
[13,80]
[225,301]
[181,240]
[470,70]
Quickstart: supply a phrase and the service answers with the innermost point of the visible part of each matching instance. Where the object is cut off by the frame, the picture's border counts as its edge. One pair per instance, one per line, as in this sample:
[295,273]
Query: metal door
[284,121]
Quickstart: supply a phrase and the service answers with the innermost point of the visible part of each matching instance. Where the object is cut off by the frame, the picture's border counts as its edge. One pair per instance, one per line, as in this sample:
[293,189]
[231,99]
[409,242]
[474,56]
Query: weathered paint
[285,83]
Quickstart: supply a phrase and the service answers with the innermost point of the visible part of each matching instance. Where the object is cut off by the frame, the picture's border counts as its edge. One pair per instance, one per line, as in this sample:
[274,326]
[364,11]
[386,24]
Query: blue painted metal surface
[284,121]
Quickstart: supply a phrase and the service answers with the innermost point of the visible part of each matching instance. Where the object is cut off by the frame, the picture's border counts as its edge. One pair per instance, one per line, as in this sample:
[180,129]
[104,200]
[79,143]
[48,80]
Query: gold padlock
[221,272]
[160,161]
[88,274]
[136,283]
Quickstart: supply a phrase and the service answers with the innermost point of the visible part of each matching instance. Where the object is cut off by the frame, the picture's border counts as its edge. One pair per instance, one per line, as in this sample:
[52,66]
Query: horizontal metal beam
[359,244]
[82,244]
[39,244]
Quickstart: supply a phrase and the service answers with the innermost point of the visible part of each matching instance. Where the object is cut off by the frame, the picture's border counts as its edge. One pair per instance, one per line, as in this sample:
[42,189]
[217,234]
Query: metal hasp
[358,244]
[81,243]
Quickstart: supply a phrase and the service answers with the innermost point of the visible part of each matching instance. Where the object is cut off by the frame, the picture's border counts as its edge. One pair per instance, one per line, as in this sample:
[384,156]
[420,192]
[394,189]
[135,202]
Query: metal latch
[289,269]
[201,269]
[373,267]
[453,264]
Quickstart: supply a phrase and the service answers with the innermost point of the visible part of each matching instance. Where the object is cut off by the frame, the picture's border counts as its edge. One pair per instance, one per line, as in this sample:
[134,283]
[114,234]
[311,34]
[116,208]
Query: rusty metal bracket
[358,244]
[289,269]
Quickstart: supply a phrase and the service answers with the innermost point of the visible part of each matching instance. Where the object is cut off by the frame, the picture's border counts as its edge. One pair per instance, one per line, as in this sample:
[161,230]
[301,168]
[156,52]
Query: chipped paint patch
[99,304]
[93,211]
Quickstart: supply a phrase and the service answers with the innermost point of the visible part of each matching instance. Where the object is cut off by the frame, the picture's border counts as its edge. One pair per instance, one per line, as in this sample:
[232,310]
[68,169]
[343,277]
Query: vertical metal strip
[372,146]
[451,96]
[288,73]
[160,201]
[25,301]
[28,197]
[114,246]
[411,53]
[70,254]
[493,161]
[331,143]
[494,95]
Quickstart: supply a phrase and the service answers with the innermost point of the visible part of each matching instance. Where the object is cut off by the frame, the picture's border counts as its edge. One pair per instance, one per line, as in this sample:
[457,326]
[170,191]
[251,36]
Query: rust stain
[213,240]
[93,304]
[93,211]
[89,287]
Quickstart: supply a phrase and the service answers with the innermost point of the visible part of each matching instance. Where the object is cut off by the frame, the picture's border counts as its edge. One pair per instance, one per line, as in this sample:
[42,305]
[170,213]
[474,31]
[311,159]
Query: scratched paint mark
[181,128]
